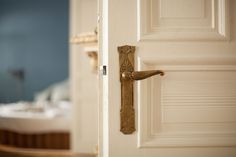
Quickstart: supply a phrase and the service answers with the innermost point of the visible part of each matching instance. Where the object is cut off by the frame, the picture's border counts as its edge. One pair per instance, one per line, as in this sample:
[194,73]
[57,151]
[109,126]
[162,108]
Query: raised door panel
[189,106]
[183,20]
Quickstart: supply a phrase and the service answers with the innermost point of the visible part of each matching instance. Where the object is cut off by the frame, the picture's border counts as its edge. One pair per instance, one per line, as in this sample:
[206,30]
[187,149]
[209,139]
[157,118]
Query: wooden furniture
[50,140]
[16,152]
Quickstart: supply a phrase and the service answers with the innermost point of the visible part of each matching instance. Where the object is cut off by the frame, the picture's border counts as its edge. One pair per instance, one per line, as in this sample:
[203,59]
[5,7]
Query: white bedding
[35,118]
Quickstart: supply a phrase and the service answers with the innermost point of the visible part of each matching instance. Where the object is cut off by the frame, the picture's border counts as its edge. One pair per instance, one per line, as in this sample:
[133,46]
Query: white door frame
[103,79]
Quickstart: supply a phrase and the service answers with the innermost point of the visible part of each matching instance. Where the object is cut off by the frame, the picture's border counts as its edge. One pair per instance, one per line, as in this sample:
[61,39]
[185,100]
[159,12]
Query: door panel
[188,106]
[191,110]
[183,19]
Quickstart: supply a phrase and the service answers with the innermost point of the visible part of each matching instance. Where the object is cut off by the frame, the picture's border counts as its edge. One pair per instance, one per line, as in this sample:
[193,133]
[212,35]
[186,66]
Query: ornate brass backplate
[127,115]
[127,78]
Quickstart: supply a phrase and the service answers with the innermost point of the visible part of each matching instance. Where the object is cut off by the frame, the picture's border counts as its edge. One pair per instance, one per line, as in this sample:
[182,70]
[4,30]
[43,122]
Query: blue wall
[33,37]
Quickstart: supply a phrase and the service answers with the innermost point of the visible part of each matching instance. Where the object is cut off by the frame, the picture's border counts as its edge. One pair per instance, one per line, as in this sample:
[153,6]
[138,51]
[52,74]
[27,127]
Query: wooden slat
[52,140]
[16,152]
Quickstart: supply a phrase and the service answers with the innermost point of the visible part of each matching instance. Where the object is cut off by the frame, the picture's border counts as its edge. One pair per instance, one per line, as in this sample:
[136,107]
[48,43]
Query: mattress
[35,118]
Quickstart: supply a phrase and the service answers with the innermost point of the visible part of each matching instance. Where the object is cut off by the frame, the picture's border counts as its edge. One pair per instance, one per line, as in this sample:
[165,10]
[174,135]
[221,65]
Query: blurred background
[33,47]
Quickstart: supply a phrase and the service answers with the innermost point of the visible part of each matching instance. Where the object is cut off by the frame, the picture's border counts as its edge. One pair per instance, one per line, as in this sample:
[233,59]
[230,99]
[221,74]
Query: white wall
[84,83]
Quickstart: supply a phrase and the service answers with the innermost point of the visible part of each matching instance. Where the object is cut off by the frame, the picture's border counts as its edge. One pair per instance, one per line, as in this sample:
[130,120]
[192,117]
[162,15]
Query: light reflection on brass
[127,77]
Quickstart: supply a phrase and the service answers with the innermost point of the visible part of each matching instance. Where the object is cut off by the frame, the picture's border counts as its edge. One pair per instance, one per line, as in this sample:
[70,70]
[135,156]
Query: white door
[84,136]
[191,110]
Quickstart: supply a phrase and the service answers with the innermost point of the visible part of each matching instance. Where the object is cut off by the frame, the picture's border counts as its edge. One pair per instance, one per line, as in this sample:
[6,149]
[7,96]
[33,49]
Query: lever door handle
[140,75]
[127,77]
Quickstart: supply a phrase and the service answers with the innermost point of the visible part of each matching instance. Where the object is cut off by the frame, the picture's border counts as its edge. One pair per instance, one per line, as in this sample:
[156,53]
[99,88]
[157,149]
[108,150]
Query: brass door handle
[127,77]
[140,75]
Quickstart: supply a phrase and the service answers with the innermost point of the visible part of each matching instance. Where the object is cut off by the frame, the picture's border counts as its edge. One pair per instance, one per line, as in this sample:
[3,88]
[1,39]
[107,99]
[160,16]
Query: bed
[42,125]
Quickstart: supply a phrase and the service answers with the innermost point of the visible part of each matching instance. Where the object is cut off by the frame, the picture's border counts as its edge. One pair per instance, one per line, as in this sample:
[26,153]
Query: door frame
[103,55]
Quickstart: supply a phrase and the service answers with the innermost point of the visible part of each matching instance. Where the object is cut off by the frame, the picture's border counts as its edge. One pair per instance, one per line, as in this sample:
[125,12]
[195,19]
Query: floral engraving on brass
[127,115]
[127,78]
